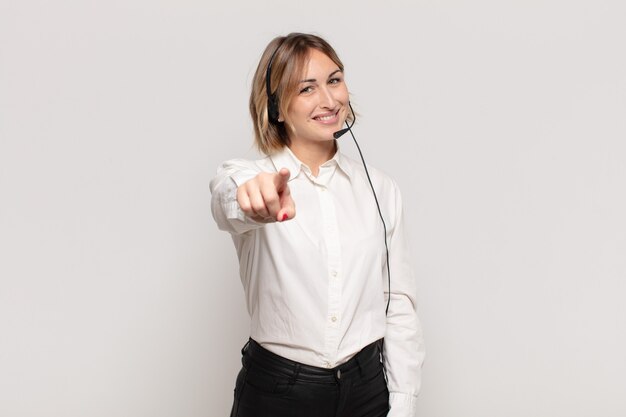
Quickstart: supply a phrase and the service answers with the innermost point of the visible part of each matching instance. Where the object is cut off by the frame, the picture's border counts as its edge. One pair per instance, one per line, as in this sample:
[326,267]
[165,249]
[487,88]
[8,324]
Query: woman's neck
[313,154]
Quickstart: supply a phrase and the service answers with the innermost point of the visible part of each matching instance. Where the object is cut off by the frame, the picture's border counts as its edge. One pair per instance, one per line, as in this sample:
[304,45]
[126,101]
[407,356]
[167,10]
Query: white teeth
[324,118]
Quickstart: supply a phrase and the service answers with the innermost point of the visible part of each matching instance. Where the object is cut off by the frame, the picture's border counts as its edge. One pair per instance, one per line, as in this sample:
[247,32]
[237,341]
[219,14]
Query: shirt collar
[343,162]
[285,158]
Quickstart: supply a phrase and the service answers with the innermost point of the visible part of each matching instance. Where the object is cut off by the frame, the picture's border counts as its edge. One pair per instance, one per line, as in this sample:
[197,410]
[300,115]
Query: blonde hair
[290,55]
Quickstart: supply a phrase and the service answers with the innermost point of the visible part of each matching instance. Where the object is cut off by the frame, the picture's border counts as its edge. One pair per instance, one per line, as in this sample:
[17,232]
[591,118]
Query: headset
[272,98]
[273,112]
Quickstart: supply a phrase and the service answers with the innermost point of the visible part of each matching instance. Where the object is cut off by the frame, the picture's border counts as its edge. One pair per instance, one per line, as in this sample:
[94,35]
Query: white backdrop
[503,123]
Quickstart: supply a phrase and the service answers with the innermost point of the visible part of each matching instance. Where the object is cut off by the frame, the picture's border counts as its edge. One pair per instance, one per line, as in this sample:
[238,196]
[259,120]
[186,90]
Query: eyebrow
[312,80]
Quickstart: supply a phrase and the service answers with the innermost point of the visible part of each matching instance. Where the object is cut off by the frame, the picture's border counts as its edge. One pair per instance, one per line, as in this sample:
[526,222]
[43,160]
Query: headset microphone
[341,132]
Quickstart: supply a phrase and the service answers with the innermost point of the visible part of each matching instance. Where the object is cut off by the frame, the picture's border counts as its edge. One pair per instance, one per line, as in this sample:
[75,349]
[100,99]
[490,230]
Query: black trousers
[269,385]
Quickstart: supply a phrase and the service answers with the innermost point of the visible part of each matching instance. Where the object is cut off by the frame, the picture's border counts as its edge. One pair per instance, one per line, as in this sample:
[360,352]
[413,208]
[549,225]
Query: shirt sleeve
[404,344]
[224,206]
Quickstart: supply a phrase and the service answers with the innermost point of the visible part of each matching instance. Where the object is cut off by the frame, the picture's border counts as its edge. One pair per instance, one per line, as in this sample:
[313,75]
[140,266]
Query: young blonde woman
[331,334]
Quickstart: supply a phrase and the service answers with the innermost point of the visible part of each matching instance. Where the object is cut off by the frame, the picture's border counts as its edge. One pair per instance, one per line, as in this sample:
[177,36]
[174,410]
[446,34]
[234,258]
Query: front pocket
[372,378]
[267,383]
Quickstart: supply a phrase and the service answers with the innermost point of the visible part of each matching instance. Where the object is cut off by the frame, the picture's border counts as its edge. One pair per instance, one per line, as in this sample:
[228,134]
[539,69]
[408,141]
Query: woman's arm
[404,344]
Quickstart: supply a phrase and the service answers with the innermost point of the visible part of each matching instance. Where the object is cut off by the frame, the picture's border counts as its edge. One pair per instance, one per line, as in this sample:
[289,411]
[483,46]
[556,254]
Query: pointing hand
[266,197]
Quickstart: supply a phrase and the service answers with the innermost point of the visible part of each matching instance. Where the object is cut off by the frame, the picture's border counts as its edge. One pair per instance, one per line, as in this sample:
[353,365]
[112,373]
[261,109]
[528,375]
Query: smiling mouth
[327,118]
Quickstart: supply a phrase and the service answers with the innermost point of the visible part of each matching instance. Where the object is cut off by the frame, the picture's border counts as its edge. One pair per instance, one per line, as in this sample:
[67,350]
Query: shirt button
[333,319]
[328,365]
[333,273]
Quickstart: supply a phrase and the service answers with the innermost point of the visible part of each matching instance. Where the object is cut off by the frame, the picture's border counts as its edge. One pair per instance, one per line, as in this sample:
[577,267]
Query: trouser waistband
[366,362]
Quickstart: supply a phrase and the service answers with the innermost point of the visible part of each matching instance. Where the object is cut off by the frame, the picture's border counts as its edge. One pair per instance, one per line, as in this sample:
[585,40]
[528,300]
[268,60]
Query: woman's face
[320,106]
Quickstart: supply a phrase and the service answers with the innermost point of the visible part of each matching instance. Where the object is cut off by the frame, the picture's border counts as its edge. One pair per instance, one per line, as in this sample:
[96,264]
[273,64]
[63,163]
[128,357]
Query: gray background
[503,123]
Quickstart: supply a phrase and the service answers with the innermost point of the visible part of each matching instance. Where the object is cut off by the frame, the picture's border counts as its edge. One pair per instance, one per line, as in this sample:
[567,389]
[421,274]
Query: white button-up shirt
[316,285]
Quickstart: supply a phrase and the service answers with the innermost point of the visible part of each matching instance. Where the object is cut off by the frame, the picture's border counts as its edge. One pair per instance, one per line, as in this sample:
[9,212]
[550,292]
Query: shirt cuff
[402,405]
[233,211]
[231,207]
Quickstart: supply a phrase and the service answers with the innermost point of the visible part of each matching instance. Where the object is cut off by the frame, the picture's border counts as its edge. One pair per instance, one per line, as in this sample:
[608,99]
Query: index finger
[281,179]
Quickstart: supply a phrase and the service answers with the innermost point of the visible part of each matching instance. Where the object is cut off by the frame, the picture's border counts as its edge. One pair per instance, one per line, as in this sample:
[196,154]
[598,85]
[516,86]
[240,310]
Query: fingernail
[284,217]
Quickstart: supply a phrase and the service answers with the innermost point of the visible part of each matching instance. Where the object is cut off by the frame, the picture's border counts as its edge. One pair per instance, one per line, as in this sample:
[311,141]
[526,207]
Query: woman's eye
[306,89]
[334,81]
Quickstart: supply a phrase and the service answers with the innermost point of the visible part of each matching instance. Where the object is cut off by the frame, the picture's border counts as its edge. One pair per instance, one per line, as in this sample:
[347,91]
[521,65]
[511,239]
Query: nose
[327,98]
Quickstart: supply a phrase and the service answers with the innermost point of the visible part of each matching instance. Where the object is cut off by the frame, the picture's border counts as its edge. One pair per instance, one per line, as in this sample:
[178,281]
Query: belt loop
[357,357]
[294,376]
[245,359]
[245,347]
[380,343]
